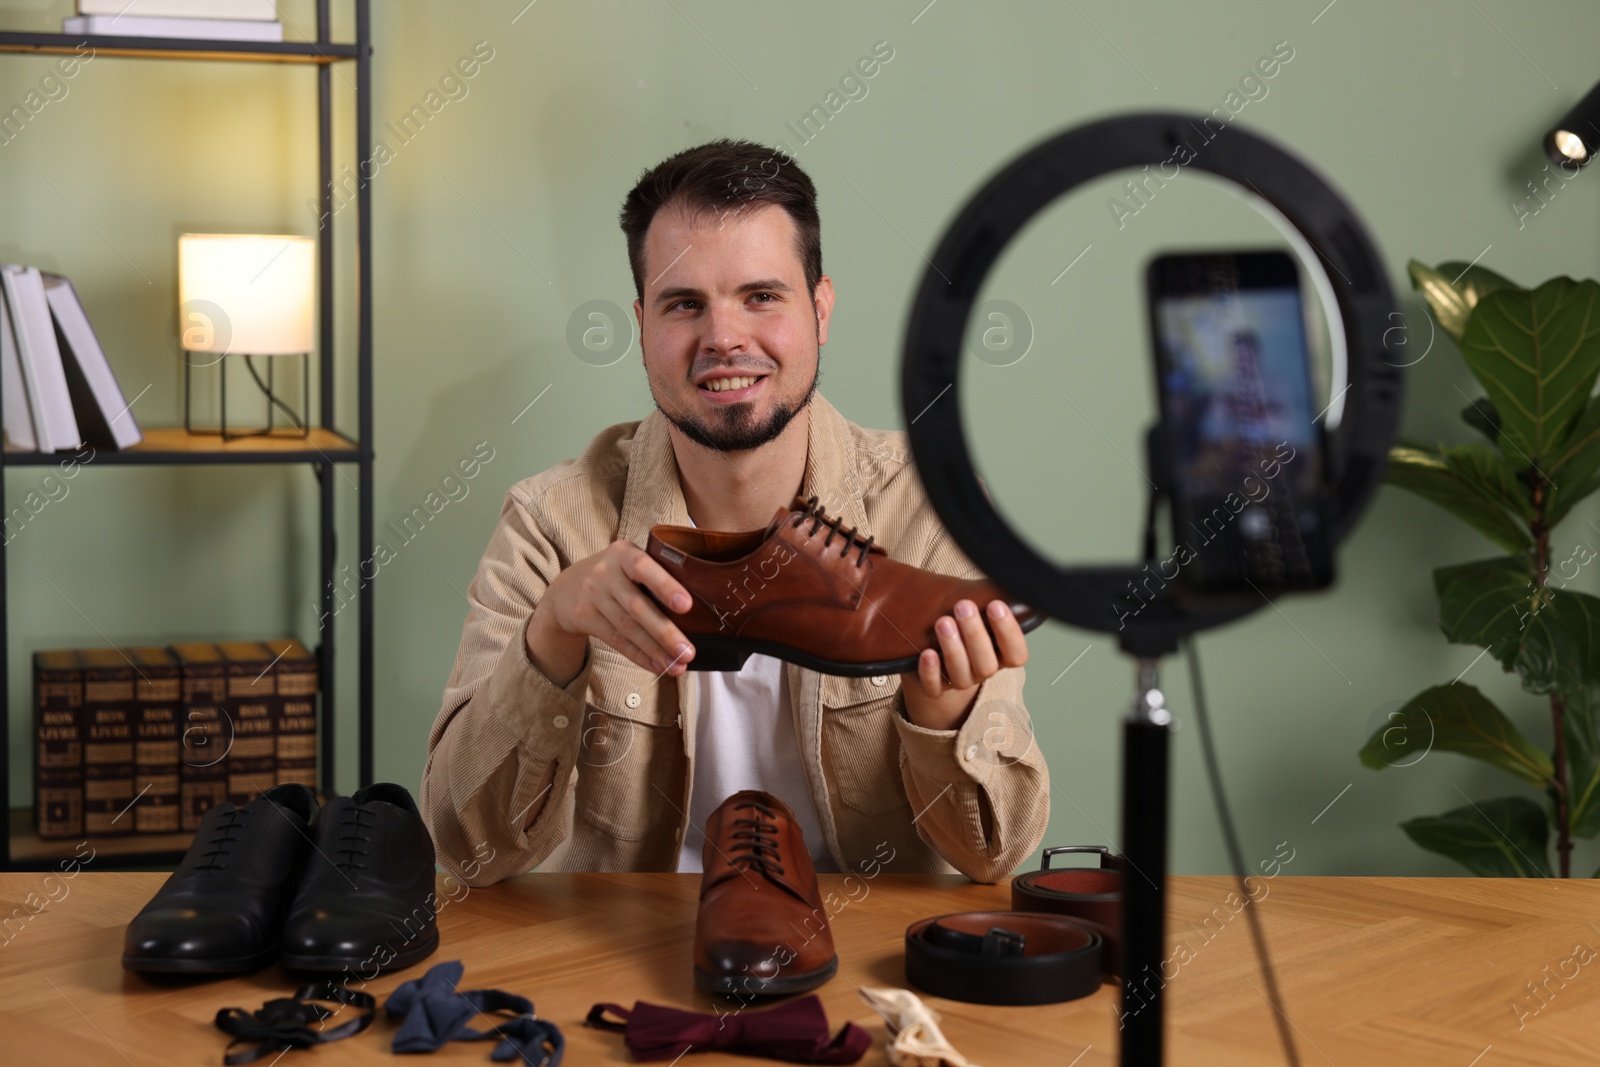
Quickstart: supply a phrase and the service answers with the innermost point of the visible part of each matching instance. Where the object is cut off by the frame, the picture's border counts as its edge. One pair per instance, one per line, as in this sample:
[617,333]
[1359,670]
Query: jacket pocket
[860,748]
[630,749]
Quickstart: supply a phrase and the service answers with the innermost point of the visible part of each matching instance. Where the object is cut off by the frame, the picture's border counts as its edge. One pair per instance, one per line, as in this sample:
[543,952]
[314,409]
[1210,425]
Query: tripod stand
[1362,422]
[1146,732]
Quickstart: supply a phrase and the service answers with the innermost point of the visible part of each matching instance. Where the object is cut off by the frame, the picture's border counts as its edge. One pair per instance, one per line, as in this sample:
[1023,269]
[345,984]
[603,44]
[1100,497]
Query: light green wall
[499,219]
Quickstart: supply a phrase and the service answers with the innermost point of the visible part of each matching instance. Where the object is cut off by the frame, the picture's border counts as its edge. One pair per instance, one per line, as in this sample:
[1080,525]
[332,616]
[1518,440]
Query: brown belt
[1062,936]
[1092,893]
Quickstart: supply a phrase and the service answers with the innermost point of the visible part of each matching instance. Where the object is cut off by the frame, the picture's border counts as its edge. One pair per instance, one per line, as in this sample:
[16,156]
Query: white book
[54,425]
[196,29]
[265,10]
[97,400]
[18,418]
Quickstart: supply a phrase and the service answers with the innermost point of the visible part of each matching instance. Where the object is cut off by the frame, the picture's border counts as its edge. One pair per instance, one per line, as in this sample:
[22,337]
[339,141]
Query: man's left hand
[941,693]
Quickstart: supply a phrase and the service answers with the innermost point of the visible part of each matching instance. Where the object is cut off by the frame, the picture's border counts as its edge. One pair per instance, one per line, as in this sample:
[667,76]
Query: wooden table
[1373,971]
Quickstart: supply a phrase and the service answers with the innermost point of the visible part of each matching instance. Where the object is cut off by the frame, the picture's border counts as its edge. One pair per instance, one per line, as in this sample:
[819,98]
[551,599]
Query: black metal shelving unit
[322,448]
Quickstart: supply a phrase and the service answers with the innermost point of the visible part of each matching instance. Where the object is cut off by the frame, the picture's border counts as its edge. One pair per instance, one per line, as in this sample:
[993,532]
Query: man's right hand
[601,597]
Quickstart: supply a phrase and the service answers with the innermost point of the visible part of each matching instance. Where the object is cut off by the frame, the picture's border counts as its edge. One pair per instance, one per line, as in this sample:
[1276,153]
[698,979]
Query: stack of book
[57,387]
[214,20]
[145,740]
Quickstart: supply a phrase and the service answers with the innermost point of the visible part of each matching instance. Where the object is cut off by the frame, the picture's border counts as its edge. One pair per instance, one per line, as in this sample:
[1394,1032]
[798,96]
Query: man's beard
[736,432]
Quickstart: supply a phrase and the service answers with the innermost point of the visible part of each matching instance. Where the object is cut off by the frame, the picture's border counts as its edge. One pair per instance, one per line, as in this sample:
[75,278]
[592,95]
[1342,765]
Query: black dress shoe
[366,901]
[221,910]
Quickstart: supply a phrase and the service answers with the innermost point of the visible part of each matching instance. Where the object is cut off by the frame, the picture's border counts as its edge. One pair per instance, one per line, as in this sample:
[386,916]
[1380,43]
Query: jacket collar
[654,494]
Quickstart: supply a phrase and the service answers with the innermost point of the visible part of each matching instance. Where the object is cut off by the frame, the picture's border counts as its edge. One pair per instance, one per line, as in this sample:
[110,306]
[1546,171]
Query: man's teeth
[719,385]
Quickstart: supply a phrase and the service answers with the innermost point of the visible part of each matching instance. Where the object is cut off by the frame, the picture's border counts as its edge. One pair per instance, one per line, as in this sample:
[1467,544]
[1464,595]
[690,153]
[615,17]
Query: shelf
[28,850]
[20,847]
[177,446]
[178,48]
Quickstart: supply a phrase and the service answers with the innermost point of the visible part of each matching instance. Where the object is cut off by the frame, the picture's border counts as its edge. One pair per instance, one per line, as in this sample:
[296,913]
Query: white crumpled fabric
[915,1037]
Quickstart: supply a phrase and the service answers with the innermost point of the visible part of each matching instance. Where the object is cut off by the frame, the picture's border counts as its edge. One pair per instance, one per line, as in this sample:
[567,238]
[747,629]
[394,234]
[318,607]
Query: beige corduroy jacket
[623,741]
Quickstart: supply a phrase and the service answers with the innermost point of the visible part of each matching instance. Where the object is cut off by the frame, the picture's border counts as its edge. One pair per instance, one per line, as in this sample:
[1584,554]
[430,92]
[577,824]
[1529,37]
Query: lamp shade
[247,294]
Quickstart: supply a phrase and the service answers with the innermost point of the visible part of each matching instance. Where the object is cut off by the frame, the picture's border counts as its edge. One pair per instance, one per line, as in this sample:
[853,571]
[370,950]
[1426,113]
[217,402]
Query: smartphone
[1241,453]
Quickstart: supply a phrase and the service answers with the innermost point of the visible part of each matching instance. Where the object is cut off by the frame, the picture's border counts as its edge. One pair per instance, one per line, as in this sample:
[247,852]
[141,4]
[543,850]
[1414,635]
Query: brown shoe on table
[812,592]
[761,927]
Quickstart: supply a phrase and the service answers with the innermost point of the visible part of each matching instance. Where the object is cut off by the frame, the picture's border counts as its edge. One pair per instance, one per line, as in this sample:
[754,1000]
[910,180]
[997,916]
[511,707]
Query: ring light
[1318,218]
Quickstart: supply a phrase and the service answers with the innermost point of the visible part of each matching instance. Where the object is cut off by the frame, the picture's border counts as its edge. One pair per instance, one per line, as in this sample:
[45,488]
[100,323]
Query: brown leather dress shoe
[761,928]
[811,592]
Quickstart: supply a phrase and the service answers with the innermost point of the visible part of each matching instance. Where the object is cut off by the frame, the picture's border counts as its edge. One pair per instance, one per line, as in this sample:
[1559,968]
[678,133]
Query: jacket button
[880,679]
[633,700]
[972,753]
[559,722]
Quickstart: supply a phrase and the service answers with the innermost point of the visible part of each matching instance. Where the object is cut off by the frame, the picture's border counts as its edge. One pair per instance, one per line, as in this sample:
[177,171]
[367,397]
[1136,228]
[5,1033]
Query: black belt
[1081,892]
[1005,957]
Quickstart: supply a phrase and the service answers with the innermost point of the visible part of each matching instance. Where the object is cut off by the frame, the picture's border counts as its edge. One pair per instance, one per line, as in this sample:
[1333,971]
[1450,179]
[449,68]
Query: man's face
[730,336]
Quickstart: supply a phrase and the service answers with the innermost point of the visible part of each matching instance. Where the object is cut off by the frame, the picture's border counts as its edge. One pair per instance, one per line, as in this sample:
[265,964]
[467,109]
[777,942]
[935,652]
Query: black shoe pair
[346,887]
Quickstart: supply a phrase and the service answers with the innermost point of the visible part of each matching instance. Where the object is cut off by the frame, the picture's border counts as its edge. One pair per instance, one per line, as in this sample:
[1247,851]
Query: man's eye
[772,296]
[679,304]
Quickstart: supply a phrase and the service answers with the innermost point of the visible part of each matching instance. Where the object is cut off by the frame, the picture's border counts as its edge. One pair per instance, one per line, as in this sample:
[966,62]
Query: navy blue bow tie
[435,1011]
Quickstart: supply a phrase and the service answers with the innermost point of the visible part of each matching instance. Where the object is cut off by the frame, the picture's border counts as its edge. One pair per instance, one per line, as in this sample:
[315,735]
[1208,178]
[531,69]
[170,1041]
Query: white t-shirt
[745,739]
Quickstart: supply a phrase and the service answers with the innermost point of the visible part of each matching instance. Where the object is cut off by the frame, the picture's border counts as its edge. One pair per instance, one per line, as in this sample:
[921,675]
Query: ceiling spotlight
[1576,138]
[1569,146]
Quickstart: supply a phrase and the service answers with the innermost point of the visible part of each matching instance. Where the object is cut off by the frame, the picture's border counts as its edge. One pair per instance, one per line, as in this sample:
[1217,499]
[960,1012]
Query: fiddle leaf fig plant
[1536,355]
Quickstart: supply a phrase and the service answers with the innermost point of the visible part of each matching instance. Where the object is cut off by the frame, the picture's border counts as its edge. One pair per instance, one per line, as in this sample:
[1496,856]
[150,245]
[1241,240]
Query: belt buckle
[1107,860]
[998,943]
[1002,942]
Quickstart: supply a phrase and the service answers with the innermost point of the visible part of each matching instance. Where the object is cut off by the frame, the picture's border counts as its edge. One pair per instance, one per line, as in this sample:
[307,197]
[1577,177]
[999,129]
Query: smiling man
[573,733]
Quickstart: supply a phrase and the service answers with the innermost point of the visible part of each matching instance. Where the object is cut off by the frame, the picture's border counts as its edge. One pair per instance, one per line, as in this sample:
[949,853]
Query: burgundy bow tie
[796,1031]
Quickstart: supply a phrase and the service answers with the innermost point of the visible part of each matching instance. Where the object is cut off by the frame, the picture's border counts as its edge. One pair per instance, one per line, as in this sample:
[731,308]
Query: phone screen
[1242,450]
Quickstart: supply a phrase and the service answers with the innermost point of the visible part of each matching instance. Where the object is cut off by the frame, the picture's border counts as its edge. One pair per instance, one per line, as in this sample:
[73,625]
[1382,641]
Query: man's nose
[726,332]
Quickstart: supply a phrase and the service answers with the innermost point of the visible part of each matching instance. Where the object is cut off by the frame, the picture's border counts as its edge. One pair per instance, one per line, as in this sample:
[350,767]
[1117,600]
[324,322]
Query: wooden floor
[1373,971]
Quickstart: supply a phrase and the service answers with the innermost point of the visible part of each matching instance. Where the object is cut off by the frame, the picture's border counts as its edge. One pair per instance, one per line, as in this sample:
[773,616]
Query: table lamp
[248,295]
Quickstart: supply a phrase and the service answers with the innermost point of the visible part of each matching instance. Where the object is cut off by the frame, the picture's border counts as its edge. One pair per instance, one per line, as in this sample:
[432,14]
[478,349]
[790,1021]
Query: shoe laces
[819,518]
[756,845]
[354,838]
[220,846]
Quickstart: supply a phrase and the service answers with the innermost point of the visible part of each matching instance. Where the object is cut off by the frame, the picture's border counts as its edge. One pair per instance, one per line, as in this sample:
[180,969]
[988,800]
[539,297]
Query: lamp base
[274,403]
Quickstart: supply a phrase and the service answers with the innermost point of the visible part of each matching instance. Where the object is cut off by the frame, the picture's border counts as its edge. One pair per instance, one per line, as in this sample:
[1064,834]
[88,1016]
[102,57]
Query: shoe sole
[162,965]
[713,652]
[335,964]
[744,984]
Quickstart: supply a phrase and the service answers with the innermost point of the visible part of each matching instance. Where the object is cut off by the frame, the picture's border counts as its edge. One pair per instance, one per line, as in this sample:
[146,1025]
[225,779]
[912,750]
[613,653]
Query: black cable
[1208,747]
[272,397]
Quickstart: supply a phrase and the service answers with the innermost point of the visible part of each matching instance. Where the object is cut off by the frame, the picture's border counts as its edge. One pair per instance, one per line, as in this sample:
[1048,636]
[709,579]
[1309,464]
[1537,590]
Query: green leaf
[1500,838]
[1450,308]
[1487,471]
[1431,476]
[1562,499]
[1551,638]
[1536,354]
[1579,455]
[1474,282]
[1455,718]
[1481,416]
[1453,289]
[1580,727]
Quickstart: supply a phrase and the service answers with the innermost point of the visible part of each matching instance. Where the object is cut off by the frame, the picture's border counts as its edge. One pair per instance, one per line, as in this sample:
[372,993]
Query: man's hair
[725,177]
